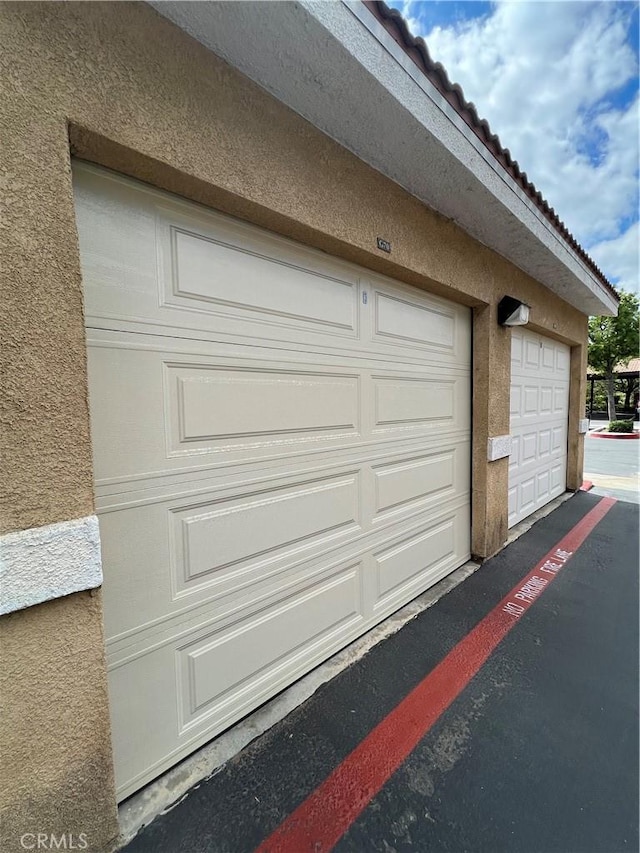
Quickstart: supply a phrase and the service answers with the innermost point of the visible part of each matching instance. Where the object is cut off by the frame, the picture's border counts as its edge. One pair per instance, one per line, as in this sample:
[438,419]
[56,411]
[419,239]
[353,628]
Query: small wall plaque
[499,447]
[384,245]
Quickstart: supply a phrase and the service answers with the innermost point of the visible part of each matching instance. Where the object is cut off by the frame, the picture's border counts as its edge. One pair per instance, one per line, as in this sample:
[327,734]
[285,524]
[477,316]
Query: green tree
[613,340]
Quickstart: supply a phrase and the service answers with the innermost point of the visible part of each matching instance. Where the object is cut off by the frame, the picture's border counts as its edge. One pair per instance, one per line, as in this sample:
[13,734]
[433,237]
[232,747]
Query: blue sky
[558,81]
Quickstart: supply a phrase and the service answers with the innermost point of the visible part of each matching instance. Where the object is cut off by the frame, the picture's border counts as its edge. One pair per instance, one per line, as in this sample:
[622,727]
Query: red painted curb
[586,485]
[323,818]
[614,435]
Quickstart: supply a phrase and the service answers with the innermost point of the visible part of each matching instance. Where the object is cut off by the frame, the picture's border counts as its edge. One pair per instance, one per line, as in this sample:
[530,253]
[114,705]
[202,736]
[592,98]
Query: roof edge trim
[416,49]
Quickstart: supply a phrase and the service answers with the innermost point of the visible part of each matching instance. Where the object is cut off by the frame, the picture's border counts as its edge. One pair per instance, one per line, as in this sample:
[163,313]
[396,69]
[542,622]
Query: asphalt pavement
[503,718]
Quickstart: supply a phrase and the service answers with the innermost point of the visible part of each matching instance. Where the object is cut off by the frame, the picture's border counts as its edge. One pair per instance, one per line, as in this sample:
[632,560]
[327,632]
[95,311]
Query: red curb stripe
[586,485]
[323,818]
[614,435]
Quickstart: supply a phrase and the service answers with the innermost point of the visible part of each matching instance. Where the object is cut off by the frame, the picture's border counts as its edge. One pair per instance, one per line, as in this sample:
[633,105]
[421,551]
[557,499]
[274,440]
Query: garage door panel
[535,490]
[546,400]
[138,694]
[119,255]
[174,581]
[559,439]
[539,412]
[527,494]
[557,474]
[515,400]
[416,560]
[211,404]
[221,612]
[548,356]
[218,668]
[517,352]
[198,550]
[514,457]
[402,320]
[409,401]
[219,675]
[512,503]
[225,534]
[530,396]
[411,487]
[543,485]
[400,563]
[418,324]
[146,261]
[533,446]
[160,411]
[217,607]
[200,271]
[215,232]
[281,452]
[327,619]
[531,355]
[417,403]
[563,361]
[529,441]
[544,443]
[560,400]
[399,483]
[538,359]
[148,266]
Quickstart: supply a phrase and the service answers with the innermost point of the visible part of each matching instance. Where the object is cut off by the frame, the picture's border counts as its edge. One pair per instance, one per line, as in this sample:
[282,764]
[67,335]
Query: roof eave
[392,117]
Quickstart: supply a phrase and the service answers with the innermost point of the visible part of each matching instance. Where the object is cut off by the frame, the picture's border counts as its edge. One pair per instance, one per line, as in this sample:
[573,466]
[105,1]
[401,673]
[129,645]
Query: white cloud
[545,76]
[619,257]
[413,23]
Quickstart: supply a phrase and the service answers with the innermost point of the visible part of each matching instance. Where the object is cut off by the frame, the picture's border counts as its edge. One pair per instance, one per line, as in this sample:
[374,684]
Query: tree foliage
[626,391]
[613,340]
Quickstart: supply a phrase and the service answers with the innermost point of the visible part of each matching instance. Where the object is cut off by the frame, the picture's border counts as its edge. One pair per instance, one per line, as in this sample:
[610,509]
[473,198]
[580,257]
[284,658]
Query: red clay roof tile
[416,49]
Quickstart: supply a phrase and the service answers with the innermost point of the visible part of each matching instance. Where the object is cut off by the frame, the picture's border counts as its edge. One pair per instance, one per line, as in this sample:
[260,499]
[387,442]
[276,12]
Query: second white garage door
[281,452]
[539,417]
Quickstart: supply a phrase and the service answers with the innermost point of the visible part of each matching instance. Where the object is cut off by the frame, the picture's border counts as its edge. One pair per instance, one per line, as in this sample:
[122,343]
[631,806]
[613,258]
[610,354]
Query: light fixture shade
[512,312]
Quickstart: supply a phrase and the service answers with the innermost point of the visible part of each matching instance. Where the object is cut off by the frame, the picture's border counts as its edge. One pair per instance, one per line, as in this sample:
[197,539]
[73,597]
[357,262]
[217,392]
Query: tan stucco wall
[55,771]
[133,93]
[577,389]
[154,104]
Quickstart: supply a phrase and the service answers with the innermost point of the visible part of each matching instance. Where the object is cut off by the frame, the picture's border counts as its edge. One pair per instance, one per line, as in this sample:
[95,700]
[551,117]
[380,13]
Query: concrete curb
[614,435]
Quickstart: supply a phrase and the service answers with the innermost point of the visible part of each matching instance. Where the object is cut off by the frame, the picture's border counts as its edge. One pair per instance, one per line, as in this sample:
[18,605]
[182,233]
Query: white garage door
[281,452]
[539,413]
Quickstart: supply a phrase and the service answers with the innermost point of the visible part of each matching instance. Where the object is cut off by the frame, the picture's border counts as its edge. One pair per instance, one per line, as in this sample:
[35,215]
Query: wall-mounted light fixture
[512,312]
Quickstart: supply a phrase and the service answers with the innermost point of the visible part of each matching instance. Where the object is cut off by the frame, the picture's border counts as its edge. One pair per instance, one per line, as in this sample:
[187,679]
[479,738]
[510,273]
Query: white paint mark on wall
[43,563]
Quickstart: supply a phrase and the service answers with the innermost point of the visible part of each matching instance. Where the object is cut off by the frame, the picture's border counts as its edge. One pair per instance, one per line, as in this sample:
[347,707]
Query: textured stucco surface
[132,92]
[490,407]
[123,79]
[42,563]
[577,388]
[45,449]
[56,753]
